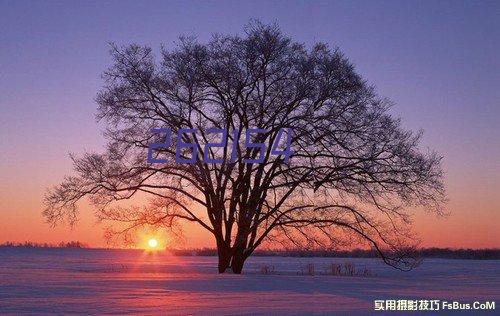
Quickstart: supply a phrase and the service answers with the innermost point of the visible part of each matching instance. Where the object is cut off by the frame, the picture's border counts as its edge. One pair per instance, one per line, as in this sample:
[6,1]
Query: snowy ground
[69,281]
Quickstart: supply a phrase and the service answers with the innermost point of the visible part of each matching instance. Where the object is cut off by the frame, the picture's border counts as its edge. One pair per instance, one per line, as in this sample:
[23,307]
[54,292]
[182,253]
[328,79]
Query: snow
[132,281]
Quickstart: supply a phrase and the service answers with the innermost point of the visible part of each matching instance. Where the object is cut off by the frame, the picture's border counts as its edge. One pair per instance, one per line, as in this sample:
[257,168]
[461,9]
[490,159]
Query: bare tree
[354,170]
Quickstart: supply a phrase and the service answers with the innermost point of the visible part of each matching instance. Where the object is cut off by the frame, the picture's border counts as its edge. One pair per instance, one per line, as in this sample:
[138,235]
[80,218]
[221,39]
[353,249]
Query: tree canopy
[354,171]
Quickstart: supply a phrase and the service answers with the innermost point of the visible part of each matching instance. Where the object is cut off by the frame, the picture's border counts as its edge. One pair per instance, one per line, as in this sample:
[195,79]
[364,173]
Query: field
[69,281]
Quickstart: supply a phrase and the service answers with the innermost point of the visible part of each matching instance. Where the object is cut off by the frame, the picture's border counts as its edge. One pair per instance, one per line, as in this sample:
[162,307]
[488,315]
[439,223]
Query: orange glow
[473,223]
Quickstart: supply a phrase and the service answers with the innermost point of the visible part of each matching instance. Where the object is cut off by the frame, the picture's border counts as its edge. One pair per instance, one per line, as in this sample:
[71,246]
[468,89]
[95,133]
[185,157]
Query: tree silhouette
[354,171]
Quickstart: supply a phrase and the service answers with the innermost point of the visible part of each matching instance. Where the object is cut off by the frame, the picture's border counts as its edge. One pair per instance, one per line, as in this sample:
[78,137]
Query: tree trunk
[224,258]
[238,261]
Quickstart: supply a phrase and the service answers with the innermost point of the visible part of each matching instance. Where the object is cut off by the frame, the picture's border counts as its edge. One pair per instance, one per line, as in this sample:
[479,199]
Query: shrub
[267,269]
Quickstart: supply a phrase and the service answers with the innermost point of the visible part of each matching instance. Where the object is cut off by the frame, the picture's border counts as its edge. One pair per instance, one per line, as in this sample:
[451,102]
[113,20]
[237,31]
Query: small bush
[333,269]
[308,269]
[367,272]
[267,269]
[349,269]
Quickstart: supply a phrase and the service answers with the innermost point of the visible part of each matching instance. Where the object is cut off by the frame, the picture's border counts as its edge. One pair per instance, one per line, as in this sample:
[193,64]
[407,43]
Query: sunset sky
[438,62]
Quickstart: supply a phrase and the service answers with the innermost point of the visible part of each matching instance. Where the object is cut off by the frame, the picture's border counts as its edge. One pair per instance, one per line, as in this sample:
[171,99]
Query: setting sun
[152,243]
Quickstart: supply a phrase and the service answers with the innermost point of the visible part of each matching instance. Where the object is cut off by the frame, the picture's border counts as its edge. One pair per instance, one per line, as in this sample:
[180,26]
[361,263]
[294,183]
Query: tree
[354,171]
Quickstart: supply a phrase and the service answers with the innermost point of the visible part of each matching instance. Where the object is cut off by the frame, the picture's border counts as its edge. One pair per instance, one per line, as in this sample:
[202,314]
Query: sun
[152,243]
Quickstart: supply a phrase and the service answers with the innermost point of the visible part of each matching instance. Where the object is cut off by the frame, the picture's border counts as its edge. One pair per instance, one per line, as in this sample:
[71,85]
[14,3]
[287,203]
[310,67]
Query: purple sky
[438,61]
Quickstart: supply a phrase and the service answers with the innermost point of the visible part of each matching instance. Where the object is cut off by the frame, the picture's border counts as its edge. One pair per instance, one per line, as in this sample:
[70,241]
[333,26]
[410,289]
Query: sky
[436,60]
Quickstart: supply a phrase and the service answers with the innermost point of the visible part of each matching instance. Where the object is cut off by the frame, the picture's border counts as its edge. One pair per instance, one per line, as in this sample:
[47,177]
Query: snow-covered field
[66,281]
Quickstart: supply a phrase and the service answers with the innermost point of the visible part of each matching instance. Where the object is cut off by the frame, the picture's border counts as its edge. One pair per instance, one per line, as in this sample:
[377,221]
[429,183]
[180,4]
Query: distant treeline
[445,253]
[29,244]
